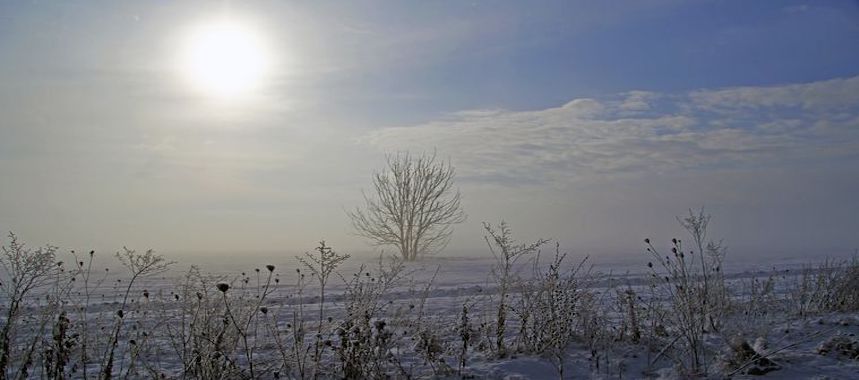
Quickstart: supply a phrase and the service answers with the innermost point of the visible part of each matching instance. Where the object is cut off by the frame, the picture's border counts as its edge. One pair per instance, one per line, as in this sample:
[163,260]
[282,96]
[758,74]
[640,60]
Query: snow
[792,342]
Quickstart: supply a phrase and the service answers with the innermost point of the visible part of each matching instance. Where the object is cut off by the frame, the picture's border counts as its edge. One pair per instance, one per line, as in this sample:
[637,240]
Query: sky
[593,123]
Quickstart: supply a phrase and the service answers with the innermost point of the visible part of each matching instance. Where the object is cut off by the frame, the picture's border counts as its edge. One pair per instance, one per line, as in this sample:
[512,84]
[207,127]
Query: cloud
[633,134]
[638,100]
[813,97]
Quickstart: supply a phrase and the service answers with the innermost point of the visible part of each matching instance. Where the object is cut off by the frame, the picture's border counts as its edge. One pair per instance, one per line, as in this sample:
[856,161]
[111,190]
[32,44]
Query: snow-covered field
[435,318]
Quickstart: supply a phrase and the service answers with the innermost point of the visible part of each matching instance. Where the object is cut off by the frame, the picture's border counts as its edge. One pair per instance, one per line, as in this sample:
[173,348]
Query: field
[521,311]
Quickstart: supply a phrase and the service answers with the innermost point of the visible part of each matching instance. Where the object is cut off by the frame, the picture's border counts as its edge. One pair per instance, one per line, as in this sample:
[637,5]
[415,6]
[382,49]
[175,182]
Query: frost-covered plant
[827,287]
[549,308]
[88,280]
[216,326]
[431,348]
[25,272]
[321,265]
[692,282]
[465,331]
[757,305]
[630,309]
[139,266]
[58,351]
[683,289]
[196,328]
[246,315]
[363,348]
[836,286]
[365,341]
[710,255]
[506,252]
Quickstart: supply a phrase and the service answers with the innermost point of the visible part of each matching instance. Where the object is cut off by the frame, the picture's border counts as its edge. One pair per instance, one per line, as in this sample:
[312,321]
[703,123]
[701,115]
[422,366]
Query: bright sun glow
[225,59]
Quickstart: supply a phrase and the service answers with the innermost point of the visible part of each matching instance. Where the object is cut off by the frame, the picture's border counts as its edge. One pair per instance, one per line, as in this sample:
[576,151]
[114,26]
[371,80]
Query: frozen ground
[433,293]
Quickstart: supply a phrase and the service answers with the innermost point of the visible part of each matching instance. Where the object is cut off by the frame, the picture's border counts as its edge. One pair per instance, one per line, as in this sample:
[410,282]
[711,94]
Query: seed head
[223,287]
[380,325]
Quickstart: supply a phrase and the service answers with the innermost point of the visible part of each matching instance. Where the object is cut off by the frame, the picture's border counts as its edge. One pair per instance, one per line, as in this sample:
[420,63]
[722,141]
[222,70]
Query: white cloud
[587,138]
[816,96]
[638,100]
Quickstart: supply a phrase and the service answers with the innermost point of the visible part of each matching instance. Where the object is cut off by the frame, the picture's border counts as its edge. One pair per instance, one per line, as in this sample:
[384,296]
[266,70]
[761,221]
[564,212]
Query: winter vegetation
[247,190]
[537,313]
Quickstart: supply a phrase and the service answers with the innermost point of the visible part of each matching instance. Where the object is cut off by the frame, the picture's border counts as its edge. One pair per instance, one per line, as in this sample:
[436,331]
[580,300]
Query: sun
[225,59]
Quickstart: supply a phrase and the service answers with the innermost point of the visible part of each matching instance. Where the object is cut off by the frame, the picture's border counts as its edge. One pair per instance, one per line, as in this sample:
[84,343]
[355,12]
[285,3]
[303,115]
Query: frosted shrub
[26,272]
[836,286]
[365,341]
[550,308]
[321,265]
[506,252]
[139,265]
[199,332]
[691,281]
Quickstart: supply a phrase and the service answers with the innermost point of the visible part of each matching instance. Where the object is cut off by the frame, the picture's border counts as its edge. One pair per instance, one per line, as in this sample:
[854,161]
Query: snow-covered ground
[423,311]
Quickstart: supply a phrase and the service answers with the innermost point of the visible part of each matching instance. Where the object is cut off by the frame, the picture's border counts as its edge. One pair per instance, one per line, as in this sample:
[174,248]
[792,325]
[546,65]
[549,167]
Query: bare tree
[414,205]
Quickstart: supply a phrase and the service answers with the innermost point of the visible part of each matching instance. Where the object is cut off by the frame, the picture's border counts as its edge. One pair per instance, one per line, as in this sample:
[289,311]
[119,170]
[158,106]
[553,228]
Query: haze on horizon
[593,123]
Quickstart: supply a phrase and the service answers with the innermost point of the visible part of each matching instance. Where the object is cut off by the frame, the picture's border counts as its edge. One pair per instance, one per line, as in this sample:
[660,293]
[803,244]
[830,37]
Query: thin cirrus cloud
[642,132]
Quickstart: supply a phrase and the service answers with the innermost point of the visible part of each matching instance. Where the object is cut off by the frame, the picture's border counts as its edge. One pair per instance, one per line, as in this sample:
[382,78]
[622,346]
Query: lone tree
[414,205]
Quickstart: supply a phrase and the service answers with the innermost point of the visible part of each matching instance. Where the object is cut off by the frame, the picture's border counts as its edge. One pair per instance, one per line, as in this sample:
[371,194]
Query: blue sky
[594,123]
